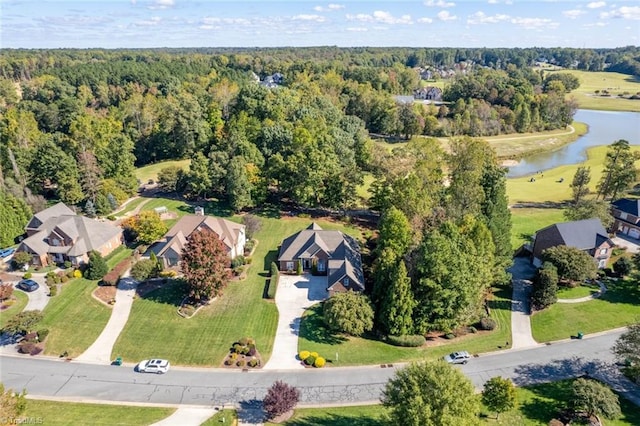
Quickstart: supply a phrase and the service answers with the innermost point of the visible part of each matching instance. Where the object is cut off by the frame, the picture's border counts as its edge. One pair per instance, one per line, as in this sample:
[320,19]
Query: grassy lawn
[618,307]
[151,171]
[225,417]
[360,415]
[180,207]
[315,337]
[72,413]
[363,190]
[131,206]
[549,189]
[117,255]
[615,83]
[74,318]
[577,292]
[525,222]
[16,307]
[520,144]
[206,338]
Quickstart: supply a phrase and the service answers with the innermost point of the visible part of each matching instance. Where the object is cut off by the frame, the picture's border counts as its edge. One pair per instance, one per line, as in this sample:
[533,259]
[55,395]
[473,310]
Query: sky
[212,23]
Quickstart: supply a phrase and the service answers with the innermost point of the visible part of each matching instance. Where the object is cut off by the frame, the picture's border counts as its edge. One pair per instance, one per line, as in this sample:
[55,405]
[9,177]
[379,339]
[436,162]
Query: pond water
[605,127]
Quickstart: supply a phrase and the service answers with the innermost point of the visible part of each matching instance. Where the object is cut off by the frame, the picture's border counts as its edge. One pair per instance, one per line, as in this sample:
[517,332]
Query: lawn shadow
[335,420]
[271,256]
[267,210]
[215,207]
[622,291]
[312,328]
[533,374]
[171,293]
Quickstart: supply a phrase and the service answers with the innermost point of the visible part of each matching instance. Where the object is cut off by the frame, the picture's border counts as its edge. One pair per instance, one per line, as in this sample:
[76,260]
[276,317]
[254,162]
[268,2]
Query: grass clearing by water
[526,221]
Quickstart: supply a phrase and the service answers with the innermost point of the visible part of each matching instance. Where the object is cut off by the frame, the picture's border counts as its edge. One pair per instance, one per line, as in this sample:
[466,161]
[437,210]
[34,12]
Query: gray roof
[582,234]
[628,205]
[41,217]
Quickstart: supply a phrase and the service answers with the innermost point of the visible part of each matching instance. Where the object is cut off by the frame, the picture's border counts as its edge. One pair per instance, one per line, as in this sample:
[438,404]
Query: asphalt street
[214,387]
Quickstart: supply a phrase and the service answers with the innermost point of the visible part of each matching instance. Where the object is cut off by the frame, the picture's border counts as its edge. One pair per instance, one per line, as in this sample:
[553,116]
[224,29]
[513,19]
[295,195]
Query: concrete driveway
[295,294]
[631,244]
[521,274]
[39,298]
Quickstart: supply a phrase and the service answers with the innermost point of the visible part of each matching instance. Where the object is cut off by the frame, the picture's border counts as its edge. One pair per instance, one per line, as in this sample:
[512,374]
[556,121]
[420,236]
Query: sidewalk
[100,351]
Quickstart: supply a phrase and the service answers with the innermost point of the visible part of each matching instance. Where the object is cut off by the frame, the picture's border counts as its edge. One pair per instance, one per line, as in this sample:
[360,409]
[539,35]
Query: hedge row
[273,282]
[407,340]
[114,275]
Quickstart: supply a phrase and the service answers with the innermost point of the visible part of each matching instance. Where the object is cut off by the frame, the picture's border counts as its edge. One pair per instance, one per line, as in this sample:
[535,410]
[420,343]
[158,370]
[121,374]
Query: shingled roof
[584,234]
[628,205]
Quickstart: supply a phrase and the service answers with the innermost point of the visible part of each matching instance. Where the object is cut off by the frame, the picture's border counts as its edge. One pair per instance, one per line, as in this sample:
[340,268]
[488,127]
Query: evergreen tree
[580,183]
[112,201]
[198,178]
[97,267]
[15,214]
[545,287]
[89,208]
[619,170]
[397,306]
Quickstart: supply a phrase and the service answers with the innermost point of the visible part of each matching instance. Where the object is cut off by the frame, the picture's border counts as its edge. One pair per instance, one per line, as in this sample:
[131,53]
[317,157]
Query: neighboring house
[57,234]
[330,253]
[403,100]
[169,249]
[626,212]
[429,93]
[587,235]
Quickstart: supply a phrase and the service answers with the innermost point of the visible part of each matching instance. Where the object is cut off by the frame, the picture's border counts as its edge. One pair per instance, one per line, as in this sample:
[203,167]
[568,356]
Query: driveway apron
[522,271]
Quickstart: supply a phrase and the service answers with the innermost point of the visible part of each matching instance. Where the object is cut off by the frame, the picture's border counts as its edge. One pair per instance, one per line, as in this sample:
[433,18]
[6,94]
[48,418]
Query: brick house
[626,214]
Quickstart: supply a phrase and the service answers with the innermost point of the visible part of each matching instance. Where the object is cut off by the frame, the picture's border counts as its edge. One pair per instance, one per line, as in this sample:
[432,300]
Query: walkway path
[100,351]
[522,271]
[595,295]
[187,416]
[295,294]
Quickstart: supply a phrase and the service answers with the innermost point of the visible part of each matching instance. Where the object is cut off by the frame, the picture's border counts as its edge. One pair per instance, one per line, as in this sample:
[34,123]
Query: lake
[605,127]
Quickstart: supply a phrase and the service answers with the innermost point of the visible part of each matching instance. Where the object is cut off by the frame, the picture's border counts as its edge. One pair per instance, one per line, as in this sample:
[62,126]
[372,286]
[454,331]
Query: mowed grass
[224,417]
[526,221]
[315,337]
[132,205]
[536,406]
[155,329]
[618,307]
[577,292]
[613,82]
[549,188]
[151,171]
[72,413]
[19,302]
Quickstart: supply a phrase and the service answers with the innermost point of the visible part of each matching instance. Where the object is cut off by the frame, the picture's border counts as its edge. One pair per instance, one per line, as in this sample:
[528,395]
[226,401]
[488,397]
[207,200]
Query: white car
[461,357]
[158,366]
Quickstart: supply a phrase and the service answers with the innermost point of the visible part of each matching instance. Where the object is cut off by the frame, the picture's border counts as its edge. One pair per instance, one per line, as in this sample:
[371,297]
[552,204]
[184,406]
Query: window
[603,251]
[320,265]
[289,266]
[346,281]
[623,216]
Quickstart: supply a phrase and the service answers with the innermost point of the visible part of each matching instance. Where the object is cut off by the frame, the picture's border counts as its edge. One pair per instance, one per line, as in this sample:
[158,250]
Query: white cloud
[596,4]
[381,16]
[625,12]
[155,20]
[444,15]
[357,29]
[534,23]
[330,8]
[162,4]
[498,1]
[482,18]
[425,20]
[573,13]
[304,17]
[438,3]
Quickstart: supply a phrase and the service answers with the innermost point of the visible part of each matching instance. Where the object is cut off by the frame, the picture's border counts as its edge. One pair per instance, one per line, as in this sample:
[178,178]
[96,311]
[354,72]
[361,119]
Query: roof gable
[627,205]
[581,234]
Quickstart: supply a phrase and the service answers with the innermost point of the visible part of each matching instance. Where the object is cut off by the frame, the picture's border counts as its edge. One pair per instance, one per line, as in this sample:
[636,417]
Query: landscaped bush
[240,363]
[27,275]
[314,354]
[304,355]
[487,323]
[144,269]
[6,290]
[53,290]
[112,277]
[237,262]
[111,217]
[299,267]
[26,347]
[320,362]
[254,363]
[449,336]
[70,273]
[473,330]
[168,274]
[42,334]
[248,246]
[248,260]
[77,273]
[252,350]
[407,340]
[67,264]
[228,361]
[310,360]
[97,267]
[273,281]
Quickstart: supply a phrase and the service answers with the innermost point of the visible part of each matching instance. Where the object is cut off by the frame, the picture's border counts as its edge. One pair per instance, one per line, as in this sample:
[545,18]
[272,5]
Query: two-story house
[587,235]
[626,214]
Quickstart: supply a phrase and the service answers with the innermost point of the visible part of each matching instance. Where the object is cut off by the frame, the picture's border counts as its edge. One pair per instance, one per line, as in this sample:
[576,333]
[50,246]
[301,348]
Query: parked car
[7,252]
[158,366]
[28,285]
[461,357]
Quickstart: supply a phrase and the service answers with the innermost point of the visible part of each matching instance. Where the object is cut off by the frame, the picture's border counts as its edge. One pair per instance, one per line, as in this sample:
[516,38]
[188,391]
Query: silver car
[158,366]
[461,357]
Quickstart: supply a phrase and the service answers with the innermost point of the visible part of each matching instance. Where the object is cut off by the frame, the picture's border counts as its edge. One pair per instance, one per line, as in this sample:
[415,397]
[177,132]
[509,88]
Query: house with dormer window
[331,253]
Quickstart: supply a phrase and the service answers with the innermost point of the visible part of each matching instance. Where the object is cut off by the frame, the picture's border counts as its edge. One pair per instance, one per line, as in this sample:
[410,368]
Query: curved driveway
[215,387]
[39,298]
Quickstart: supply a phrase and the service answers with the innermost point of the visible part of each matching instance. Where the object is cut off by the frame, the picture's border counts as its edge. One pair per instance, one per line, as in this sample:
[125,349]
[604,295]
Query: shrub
[228,361]
[244,341]
[254,363]
[112,277]
[299,267]
[168,274]
[304,355]
[248,246]
[6,290]
[53,290]
[407,340]
[320,362]
[64,279]
[252,350]
[304,216]
[42,334]
[21,258]
[27,275]
[310,360]
[234,356]
[280,398]
[314,354]
[67,264]
[487,323]
[449,336]
[70,273]
[26,347]
[273,281]
[237,347]
[237,262]
[23,322]
[144,269]
[248,260]
[240,363]
[77,273]
[111,217]
[473,330]
[97,267]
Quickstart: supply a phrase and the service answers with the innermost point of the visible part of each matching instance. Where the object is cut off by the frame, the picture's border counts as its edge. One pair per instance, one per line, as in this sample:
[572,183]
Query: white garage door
[634,233]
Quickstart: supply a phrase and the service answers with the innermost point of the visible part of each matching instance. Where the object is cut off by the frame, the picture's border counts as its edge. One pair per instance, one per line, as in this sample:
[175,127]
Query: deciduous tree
[205,265]
[627,349]
[573,264]
[146,226]
[431,393]
[349,312]
[588,209]
[12,405]
[499,395]
[595,398]
[281,398]
[545,286]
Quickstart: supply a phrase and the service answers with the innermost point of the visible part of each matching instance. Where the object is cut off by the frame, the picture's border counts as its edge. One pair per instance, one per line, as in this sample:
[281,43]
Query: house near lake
[626,214]
[331,253]
[587,235]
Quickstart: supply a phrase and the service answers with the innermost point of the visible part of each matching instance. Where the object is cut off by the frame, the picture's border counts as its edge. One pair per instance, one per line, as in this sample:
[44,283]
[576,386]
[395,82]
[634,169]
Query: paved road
[214,387]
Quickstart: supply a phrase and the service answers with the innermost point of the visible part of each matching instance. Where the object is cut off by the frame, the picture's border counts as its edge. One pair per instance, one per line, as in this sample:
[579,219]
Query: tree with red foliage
[280,398]
[205,265]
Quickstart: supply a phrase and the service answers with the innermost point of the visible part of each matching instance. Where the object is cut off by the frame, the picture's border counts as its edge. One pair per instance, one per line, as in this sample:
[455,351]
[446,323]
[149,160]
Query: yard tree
[587,209]
[394,232]
[499,395]
[97,267]
[619,170]
[431,393]
[15,214]
[595,399]
[623,266]
[21,258]
[23,323]
[12,405]
[573,264]
[580,183]
[545,286]
[198,179]
[281,398]
[144,269]
[169,178]
[397,305]
[238,187]
[627,349]
[146,226]
[205,265]
[252,224]
[349,312]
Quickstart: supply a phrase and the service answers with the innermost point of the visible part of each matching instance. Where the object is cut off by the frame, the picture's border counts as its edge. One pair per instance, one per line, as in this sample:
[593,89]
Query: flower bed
[243,354]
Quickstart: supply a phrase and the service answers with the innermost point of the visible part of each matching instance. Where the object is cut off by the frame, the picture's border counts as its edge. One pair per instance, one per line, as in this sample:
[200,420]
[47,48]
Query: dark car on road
[28,285]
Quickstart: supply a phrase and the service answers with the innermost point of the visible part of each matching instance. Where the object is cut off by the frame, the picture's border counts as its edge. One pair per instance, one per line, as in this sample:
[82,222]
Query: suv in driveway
[28,285]
[158,366]
[461,357]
